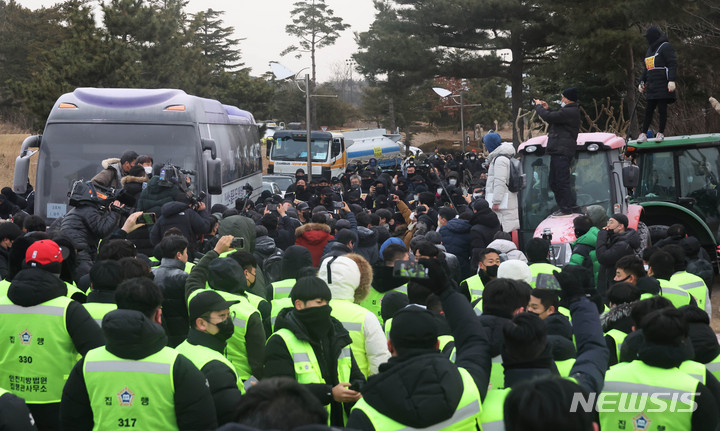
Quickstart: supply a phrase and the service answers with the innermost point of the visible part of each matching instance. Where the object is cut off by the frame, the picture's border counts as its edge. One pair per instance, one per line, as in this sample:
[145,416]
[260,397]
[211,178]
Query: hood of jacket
[131,179]
[503,245]
[131,335]
[367,237]
[630,236]
[561,348]
[494,328]
[342,276]
[314,233]
[416,390]
[239,226]
[649,285]
[589,238]
[459,226]
[485,217]
[33,286]
[265,245]
[558,324]
[107,163]
[505,149]
[616,316]
[296,257]
[173,208]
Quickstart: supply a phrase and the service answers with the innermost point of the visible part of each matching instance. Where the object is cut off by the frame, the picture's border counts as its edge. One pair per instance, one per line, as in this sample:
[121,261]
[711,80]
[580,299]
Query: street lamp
[281,72]
[445,93]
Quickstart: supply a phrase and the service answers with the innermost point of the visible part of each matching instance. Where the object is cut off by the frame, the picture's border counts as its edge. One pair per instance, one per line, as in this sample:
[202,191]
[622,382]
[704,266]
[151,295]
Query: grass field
[9,150]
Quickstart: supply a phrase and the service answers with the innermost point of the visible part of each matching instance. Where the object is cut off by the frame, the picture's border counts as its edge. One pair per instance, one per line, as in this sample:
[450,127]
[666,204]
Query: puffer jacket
[367,245]
[155,195]
[457,240]
[190,222]
[110,175]
[584,254]
[609,249]
[85,226]
[485,225]
[665,68]
[509,249]
[498,176]
[314,237]
[347,275]
[171,277]
[564,128]
[132,187]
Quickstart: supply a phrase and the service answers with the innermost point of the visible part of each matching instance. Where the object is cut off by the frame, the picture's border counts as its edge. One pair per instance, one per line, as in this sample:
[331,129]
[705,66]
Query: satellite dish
[281,72]
[440,91]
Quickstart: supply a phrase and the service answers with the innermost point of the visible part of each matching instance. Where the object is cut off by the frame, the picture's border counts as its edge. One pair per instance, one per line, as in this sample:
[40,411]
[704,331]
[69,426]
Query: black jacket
[190,222]
[609,249]
[278,361]
[222,380]
[485,225]
[3,262]
[171,277]
[658,78]
[423,387]
[33,286]
[130,335]
[85,226]
[564,128]
[14,414]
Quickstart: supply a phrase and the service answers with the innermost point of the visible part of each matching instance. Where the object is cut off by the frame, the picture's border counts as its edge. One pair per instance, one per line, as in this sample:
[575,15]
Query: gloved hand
[570,286]
[437,280]
[671,86]
[641,87]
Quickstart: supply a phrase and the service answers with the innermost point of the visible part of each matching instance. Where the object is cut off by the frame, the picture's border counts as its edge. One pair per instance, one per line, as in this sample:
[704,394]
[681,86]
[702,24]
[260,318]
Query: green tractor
[679,183]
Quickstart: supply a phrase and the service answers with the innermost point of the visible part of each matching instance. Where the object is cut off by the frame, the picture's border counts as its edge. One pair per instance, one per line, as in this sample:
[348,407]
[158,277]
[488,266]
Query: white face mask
[416,197]
[452,182]
[646,267]
[477,195]
[148,169]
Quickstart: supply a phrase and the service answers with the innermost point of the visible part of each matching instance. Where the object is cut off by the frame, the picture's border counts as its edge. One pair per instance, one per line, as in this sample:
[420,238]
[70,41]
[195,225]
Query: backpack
[272,266]
[517,179]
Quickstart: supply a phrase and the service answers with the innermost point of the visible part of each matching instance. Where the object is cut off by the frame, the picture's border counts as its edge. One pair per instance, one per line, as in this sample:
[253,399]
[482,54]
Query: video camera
[86,192]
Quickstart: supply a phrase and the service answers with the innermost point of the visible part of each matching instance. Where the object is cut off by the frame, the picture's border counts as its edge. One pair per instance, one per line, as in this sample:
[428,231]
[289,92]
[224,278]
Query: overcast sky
[262,24]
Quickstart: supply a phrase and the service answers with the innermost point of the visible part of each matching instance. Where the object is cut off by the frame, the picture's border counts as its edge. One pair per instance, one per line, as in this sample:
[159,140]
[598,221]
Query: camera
[237,243]
[547,234]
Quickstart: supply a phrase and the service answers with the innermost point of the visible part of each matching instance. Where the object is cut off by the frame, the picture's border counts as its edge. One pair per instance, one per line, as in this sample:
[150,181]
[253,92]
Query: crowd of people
[149,310]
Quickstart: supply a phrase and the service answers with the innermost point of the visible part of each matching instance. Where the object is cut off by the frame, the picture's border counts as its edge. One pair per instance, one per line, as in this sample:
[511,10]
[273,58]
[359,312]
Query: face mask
[225,329]
[621,281]
[452,182]
[315,319]
[403,187]
[148,170]
[416,197]
[439,191]
[380,190]
[477,195]
[366,184]
[354,186]
[299,189]
[394,181]
[646,267]
[491,270]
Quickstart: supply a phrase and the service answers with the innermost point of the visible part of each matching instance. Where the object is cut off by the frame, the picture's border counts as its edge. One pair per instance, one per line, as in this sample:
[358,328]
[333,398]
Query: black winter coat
[279,362]
[609,249]
[155,196]
[171,277]
[564,128]
[665,70]
[422,387]
[85,226]
[190,222]
[130,335]
[14,414]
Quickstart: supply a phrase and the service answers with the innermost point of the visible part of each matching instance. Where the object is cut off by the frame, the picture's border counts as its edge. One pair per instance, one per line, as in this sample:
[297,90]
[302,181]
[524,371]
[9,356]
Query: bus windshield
[75,151]
[590,183]
[287,148]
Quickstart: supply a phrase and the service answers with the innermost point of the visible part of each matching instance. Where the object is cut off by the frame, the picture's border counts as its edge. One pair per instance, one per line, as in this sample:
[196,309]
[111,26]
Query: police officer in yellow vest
[538,251]
[526,358]
[383,280]
[246,348]
[105,276]
[212,325]
[661,266]
[690,283]
[294,261]
[685,403]
[136,381]
[349,278]
[312,347]
[42,331]
[488,263]
[419,387]
[545,303]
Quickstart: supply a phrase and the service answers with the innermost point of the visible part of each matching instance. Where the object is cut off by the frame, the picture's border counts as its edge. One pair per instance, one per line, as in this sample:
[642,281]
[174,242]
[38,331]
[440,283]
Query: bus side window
[336,148]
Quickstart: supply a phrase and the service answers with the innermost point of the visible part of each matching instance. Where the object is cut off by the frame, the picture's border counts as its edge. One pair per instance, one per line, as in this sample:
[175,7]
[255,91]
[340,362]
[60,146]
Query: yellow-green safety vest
[188,267]
[277,306]
[236,349]
[201,355]
[444,346]
[38,353]
[281,288]
[307,368]
[692,284]
[497,373]
[661,397]
[352,316]
[541,268]
[696,370]
[131,394]
[475,286]
[714,367]
[71,289]
[492,417]
[677,296]
[373,301]
[466,416]
[619,337]
[98,310]
[565,366]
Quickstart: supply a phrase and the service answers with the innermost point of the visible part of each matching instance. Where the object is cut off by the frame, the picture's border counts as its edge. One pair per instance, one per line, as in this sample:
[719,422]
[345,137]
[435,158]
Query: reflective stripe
[466,412]
[494,426]
[128,367]
[497,359]
[476,291]
[533,279]
[713,366]
[99,322]
[47,310]
[692,285]
[697,377]
[282,289]
[344,353]
[675,291]
[352,326]
[239,322]
[402,288]
[669,394]
[301,357]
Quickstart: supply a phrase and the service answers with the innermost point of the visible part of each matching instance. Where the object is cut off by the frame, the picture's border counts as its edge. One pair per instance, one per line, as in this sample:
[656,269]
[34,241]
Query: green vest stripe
[352,326]
[282,288]
[691,285]
[240,323]
[352,316]
[301,357]
[128,367]
[48,310]
[494,426]
[713,366]
[475,286]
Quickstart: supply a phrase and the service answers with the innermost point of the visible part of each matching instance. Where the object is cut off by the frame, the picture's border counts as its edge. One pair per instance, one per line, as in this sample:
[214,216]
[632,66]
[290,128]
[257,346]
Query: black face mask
[403,187]
[366,184]
[299,189]
[380,190]
[225,328]
[491,270]
[316,320]
[354,186]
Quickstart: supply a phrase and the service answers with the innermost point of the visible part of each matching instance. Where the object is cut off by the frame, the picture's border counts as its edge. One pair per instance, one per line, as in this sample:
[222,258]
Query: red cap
[44,252]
